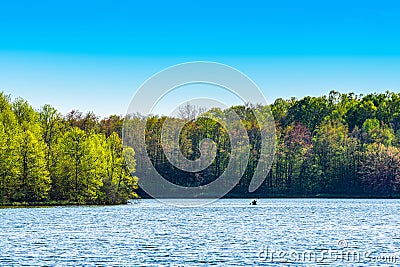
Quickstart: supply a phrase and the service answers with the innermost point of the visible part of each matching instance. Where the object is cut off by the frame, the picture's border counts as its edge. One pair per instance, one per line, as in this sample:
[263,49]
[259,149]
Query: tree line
[76,158]
[341,144]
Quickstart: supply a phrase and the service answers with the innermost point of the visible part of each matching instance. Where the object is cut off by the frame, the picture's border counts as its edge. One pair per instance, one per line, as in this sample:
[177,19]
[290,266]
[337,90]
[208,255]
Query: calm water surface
[306,232]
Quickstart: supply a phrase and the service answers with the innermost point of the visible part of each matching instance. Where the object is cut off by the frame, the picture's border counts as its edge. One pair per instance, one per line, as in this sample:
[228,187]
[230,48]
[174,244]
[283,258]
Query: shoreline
[52,204]
[75,204]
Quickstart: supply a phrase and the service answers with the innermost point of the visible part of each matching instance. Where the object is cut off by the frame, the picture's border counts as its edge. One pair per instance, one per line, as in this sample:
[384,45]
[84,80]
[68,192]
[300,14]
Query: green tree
[33,175]
[118,184]
[309,111]
[81,166]
[374,132]
[357,114]
[9,150]
[327,171]
[52,124]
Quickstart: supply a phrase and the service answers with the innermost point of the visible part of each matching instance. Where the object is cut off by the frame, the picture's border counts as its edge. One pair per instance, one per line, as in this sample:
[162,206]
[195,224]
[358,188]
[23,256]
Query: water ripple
[227,232]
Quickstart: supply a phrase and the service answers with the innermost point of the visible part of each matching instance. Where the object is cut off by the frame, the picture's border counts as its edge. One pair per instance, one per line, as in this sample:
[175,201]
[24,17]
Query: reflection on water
[226,232]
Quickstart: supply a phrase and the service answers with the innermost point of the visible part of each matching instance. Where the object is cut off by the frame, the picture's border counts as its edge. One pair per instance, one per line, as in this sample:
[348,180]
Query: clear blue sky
[92,55]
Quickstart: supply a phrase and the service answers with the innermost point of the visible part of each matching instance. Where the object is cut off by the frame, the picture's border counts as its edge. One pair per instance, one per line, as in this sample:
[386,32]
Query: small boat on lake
[133,201]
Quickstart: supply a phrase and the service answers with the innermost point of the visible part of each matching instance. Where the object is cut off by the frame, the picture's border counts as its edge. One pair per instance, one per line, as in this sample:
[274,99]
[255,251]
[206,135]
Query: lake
[306,232]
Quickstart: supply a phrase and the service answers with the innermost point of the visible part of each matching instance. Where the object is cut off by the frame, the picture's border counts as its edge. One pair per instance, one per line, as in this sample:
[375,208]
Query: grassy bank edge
[53,204]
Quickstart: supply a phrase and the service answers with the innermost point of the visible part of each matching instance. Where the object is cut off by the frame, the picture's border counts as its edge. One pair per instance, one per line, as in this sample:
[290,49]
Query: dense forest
[334,145]
[47,157]
[343,145]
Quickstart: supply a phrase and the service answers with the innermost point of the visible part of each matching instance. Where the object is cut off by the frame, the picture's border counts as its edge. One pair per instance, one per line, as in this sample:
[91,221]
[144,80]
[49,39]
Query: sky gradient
[92,56]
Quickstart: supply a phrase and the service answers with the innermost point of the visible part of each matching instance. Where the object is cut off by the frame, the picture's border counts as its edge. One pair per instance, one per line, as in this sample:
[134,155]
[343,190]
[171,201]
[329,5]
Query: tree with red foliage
[380,169]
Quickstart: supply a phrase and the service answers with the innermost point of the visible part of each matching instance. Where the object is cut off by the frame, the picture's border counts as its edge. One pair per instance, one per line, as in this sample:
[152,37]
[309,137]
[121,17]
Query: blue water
[229,232]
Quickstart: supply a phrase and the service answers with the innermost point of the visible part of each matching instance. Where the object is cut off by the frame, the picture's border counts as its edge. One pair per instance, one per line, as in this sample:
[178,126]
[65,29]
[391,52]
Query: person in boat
[254,202]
